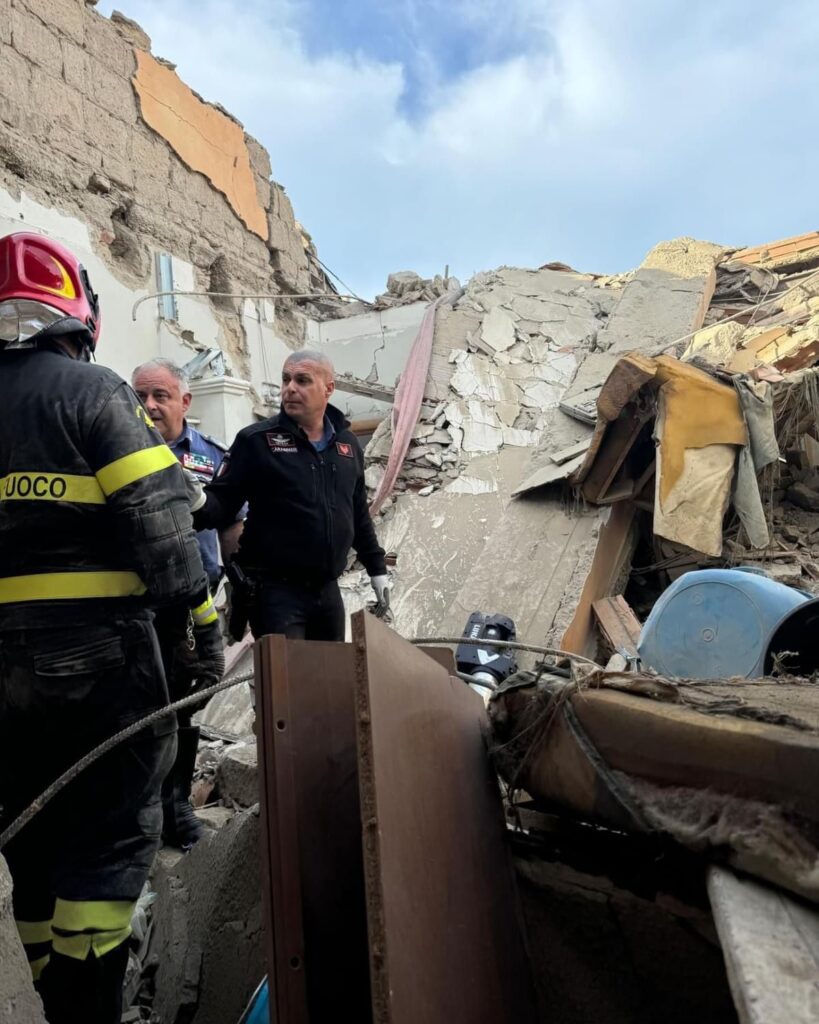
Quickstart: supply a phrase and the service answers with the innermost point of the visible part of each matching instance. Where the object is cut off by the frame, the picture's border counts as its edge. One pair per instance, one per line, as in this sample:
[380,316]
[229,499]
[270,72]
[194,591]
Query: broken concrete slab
[238,775]
[19,1003]
[208,939]
[498,330]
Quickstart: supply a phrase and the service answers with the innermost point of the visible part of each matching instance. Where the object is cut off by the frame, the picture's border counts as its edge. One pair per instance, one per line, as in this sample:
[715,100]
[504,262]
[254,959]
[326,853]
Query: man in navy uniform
[301,474]
[163,389]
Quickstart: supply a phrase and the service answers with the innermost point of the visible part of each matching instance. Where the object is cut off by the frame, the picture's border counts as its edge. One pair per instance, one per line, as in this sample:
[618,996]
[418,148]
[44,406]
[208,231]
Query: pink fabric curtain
[407,407]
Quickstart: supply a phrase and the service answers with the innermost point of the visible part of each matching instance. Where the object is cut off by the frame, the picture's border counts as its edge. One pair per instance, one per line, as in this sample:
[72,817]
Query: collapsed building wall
[104,148]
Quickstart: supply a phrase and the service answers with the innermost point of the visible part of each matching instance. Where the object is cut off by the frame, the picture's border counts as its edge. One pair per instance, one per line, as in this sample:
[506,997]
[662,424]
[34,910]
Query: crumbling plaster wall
[372,346]
[78,161]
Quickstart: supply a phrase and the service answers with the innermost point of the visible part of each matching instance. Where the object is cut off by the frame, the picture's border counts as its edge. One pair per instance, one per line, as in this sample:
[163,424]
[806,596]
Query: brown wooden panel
[445,940]
[618,624]
[311,832]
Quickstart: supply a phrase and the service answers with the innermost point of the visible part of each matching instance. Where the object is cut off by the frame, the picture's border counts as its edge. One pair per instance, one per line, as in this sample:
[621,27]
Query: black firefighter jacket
[94,515]
[306,509]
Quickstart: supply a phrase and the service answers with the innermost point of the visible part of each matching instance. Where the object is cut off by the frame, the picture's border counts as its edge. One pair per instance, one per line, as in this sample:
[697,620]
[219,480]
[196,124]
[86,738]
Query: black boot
[84,991]
[180,826]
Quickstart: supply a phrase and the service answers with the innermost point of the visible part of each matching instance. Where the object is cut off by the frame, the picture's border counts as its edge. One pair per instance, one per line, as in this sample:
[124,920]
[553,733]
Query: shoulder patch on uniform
[345,449]
[215,442]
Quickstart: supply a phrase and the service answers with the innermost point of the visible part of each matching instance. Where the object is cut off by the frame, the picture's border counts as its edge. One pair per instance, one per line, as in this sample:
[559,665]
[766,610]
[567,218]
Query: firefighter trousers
[80,865]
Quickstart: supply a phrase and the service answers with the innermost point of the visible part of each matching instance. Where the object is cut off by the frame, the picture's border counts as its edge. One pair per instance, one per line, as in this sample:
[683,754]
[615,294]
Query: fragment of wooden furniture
[770,942]
[618,624]
[444,928]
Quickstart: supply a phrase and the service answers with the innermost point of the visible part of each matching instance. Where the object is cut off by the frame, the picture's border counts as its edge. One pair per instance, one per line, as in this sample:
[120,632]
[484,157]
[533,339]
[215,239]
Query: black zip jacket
[94,513]
[306,509]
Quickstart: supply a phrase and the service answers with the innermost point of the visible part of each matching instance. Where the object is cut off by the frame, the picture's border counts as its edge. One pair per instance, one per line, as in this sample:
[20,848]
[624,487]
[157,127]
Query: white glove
[196,492]
[381,586]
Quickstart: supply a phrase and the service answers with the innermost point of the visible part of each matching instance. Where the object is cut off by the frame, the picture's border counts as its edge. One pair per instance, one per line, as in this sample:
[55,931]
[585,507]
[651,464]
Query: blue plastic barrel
[714,623]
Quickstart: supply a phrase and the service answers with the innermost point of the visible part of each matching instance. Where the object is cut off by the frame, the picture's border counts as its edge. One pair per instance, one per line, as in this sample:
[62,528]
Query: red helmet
[44,290]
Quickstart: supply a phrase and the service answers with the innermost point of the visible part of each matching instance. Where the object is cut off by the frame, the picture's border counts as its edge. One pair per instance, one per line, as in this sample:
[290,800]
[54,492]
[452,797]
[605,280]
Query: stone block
[5,21]
[119,171]
[66,17]
[262,191]
[64,139]
[259,157]
[130,31]
[106,46]
[281,205]
[57,102]
[114,93]
[14,75]
[75,67]
[238,775]
[12,113]
[184,208]
[190,183]
[33,40]
[208,938]
[107,133]
[19,1003]
[151,190]
[145,219]
[150,155]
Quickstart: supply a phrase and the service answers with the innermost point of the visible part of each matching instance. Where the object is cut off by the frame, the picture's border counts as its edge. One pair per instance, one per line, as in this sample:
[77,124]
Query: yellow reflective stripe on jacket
[38,966]
[34,932]
[133,467]
[205,613]
[31,485]
[81,926]
[69,586]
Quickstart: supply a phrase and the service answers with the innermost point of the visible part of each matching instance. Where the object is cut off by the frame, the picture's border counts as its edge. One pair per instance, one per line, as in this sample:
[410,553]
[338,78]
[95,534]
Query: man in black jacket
[302,475]
[95,530]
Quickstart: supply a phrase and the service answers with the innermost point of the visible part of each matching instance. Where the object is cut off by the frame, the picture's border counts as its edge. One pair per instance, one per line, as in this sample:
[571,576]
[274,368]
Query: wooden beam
[771,947]
[618,624]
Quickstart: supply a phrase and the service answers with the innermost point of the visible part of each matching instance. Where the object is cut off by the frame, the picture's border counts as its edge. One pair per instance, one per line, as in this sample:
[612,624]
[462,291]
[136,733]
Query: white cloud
[609,127]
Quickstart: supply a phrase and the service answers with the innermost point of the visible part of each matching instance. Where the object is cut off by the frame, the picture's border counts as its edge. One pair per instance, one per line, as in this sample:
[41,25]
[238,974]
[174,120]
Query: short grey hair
[309,355]
[160,363]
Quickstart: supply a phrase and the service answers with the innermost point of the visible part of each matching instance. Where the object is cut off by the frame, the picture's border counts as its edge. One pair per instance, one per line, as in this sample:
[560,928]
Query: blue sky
[412,134]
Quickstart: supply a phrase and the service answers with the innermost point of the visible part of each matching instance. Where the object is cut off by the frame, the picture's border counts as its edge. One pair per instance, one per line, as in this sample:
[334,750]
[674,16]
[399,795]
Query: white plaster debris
[504,354]
[498,329]
[471,485]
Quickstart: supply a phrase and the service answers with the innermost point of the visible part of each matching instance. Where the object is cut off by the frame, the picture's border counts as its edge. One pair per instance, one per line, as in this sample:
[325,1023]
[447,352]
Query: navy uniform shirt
[203,455]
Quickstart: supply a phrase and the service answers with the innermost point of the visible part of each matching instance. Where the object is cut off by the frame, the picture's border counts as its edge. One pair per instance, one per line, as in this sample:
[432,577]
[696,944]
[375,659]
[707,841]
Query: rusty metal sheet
[445,938]
[314,900]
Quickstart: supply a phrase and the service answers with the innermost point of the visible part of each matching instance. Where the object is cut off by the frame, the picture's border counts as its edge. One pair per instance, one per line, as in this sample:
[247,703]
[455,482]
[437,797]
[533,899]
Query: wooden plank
[775,250]
[443,922]
[618,624]
[771,947]
[673,745]
[614,549]
[312,863]
[566,454]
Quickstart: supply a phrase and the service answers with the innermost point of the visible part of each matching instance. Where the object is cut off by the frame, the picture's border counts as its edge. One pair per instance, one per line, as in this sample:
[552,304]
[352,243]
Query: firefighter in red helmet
[95,529]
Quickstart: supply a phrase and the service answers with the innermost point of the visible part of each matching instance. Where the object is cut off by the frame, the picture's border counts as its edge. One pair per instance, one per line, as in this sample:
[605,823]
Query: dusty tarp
[618,748]
[699,425]
[756,400]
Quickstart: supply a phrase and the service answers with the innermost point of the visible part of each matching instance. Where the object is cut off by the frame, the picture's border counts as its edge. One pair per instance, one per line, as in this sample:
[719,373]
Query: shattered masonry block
[19,1003]
[238,775]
